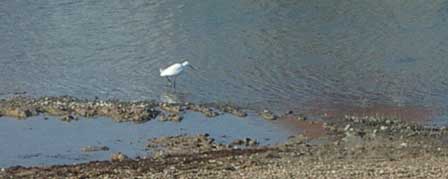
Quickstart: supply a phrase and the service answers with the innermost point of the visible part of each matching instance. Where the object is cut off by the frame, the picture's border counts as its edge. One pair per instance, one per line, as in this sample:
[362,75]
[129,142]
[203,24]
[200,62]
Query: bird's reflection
[173,97]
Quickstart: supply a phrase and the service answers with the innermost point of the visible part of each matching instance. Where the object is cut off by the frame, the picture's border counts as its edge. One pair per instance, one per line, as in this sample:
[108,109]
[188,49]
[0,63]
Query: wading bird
[174,70]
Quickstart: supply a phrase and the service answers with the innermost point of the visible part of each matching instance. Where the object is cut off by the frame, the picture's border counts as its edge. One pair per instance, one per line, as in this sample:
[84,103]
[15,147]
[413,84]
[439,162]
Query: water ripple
[281,54]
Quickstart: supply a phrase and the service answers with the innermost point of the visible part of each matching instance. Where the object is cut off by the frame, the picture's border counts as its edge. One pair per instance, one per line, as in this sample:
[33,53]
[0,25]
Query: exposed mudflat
[367,147]
[69,108]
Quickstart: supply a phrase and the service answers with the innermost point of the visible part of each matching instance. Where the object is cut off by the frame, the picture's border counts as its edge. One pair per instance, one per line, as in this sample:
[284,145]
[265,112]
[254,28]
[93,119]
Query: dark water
[285,53]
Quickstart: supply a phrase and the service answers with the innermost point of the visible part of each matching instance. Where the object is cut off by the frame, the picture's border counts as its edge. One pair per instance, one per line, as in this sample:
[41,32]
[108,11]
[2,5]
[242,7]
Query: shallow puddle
[36,141]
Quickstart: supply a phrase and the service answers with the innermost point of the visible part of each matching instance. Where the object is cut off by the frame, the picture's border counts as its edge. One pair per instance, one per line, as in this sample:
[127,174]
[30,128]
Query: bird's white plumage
[173,71]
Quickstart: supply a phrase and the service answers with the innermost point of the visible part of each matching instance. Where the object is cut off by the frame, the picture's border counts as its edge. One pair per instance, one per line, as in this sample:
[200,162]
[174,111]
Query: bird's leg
[174,82]
[169,81]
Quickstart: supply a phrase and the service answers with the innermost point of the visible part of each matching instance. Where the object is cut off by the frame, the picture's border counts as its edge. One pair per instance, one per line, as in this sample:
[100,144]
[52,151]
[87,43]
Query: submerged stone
[94,148]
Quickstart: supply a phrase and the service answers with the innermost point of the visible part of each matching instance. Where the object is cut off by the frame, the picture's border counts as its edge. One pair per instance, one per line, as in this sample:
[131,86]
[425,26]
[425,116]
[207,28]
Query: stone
[119,157]
[268,115]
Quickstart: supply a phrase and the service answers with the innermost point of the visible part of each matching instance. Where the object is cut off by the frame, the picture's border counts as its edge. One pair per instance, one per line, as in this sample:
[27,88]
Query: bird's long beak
[192,67]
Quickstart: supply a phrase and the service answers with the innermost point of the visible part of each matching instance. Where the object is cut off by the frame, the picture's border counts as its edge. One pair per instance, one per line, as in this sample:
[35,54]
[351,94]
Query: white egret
[174,70]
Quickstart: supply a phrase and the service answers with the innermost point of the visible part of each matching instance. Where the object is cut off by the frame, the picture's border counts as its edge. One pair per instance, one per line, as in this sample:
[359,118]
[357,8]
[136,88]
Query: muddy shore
[350,147]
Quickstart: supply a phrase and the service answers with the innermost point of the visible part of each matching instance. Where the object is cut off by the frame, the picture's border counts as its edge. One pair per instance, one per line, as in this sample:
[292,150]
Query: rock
[353,141]
[237,142]
[119,157]
[302,117]
[374,132]
[248,142]
[208,112]
[171,117]
[173,108]
[271,155]
[54,111]
[68,118]
[232,110]
[251,142]
[19,112]
[239,113]
[297,139]
[129,112]
[347,127]
[85,112]
[183,144]
[268,115]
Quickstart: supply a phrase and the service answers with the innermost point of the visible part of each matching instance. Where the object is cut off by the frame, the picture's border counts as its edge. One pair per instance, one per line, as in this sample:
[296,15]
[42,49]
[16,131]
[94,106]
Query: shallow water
[283,54]
[37,141]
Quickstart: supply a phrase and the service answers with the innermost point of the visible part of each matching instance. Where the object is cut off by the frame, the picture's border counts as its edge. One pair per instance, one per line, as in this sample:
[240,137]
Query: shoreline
[367,147]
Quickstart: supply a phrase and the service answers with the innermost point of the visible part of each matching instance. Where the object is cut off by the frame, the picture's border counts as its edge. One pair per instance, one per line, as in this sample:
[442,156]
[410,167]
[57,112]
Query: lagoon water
[286,53]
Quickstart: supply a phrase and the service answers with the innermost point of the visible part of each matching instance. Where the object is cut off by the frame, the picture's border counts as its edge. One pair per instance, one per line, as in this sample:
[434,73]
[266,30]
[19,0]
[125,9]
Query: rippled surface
[283,54]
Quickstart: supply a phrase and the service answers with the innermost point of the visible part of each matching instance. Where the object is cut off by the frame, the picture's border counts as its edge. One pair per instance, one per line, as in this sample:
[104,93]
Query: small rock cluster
[248,142]
[183,144]
[378,124]
[207,111]
[176,117]
[232,110]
